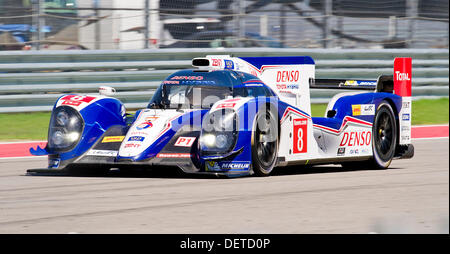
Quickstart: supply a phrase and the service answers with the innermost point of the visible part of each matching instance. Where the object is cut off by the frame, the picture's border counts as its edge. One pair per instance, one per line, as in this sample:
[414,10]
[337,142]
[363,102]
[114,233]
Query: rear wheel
[384,136]
[384,140]
[265,143]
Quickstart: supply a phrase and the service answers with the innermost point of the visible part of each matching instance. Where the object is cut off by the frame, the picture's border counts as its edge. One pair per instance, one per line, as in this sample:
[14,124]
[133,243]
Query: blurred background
[53,47]
[140,24]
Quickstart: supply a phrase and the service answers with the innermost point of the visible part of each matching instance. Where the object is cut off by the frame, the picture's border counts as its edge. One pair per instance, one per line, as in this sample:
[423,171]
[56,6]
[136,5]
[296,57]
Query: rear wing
[384,83]
[399,83]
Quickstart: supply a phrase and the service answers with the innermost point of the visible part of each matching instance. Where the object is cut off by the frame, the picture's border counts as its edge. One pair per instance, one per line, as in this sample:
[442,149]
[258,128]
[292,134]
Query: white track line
[23,142]
[429,138]
[24,157]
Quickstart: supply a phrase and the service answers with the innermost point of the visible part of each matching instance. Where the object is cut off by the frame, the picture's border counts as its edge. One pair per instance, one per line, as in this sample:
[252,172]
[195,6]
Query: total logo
[402,76]
[144,125]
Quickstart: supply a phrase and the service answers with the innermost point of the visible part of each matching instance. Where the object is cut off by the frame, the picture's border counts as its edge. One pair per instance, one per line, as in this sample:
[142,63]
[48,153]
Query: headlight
[66,126]
[219,132]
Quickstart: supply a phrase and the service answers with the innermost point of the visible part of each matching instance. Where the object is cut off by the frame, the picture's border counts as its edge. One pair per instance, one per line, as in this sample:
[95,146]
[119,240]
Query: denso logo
[288,76]
[355,138]
[402,76]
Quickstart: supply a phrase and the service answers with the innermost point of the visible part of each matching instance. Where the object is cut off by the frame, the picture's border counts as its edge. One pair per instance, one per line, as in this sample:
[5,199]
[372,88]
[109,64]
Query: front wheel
[265,143]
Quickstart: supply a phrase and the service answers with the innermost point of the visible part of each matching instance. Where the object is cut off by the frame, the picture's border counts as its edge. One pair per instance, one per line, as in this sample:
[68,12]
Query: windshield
[193,90]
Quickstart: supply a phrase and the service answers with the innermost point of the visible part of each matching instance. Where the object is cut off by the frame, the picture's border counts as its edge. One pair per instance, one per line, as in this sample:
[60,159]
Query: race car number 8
[76,100]
[300,131]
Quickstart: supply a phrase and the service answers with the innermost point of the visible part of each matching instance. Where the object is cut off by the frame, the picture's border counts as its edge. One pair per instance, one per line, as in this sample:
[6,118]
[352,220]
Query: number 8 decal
[300,139]
[300,131]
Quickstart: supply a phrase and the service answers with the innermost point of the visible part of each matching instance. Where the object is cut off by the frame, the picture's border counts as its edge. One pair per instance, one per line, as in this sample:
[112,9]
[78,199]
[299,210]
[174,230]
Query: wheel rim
[384,138]
[265,141]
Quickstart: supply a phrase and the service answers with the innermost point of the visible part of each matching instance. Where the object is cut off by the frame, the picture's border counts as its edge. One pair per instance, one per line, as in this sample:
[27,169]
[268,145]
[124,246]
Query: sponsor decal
[363,110]
[234,165]
[367,83]
[212,166]
[402,76]
[287,86]
[300,132]
[350,83]
[173,155]
[171,82]
[364,151]
[229,64]
[356,138]
[144,125]
[197,82]
[136,138]
[185,141]
[76,100]
[406,128]
[405,138]
[288,76]
[113,139]
[341,151]
[226,105]
[406,104]
[132,145]
[227,165]
[405,117]
[356,110]
[106,153]
[138,133]
[216,62]
[187,78]
[359,83]
[53,163]
[354,151]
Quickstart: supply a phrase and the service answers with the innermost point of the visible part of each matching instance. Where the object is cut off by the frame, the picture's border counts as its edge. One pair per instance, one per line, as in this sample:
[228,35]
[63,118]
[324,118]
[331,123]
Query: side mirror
[106,90]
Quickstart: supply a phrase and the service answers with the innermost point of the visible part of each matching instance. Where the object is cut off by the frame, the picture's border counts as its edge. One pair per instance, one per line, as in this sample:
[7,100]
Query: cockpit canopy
[201,89]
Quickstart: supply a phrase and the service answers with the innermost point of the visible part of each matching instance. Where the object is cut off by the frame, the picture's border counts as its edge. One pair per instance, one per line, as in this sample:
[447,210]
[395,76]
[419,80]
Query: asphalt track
[411,197]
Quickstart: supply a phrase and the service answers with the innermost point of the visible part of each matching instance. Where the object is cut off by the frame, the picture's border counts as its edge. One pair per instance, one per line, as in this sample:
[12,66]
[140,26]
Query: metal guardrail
[33,80]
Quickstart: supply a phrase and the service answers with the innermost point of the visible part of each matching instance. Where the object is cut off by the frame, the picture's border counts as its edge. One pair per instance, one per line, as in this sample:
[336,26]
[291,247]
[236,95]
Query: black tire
[384,136]
[265,142]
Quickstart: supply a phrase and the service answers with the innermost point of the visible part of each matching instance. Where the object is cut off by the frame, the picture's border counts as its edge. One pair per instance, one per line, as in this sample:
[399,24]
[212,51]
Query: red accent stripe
[19,149]
[295,111]
[429,131]
[344,122]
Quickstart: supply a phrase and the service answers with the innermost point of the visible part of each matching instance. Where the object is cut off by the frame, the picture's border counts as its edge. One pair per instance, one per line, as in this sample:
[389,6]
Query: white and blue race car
[237,116]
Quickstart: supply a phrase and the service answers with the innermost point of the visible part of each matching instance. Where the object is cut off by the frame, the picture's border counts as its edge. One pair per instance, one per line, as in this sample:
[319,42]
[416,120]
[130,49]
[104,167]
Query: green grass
[430,111]
[24,126]
[33,126]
